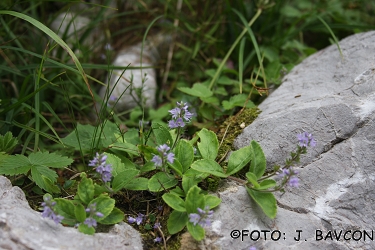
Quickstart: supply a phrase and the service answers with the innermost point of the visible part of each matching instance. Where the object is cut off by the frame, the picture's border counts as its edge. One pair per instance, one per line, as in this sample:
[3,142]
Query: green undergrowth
[221,58]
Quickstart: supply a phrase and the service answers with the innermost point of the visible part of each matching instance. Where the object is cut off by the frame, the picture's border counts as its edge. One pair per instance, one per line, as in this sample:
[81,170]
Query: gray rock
[336,105]
[133,87]
[23,228]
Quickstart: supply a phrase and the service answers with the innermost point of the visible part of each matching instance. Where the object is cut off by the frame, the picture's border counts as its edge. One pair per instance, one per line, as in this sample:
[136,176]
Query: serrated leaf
[238,159]
[208,145]
[265,200]
[15,164]
[176,221]
[198,90]
[174,201]
[87,136]
[123,178]
[8,143]
[50,186]
[160,181]
[114,217]
[258,162]
[209,166]
[86,190]
[237,101]
[185,154]
[65,208]
[104,205]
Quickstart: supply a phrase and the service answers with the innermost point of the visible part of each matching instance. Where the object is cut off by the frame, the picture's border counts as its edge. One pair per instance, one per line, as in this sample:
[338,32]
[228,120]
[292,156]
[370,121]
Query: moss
[232,127]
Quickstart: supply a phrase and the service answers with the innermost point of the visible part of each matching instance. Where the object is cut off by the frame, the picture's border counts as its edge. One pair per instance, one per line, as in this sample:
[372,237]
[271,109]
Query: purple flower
[164,155]
[305,139]
[131,220]
[180,115]
[203,217]
[252,248]
[90,222]
[157,160]
[139,219]
[99,162]
[157,225]
[293,181]
[284,172]
[48,211]
[158,239]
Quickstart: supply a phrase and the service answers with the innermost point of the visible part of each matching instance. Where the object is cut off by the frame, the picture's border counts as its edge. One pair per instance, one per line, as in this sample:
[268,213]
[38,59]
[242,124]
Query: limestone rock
[129,88]
[336,105]
[23,228]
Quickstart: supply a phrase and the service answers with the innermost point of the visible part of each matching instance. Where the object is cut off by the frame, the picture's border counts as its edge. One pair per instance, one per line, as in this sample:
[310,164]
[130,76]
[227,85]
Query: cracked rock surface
[22,228]
[334,99]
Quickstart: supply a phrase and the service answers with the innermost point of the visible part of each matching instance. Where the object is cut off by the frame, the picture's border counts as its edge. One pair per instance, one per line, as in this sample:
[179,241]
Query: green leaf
[37,173]
[162,135]
[65,208]
[208,145]
[198,90]
[118,165]
[50,187]
[176,166]
[265,200]
[123,178]
[83,228]
[194,200]
[237,101]
[147,151]
[86,190]
[125,147]
[197,231]
[266,184]
[7,143]
[253,179]
[185,154]
[137,184]
[238,159]
[191,178]
[212,201]
[209,166]
[104,205]
[161,181]
[177,221]
[149,166]
[19,164]
[258,163]
[174,202]
[85,137]
[114,217]
[80,213]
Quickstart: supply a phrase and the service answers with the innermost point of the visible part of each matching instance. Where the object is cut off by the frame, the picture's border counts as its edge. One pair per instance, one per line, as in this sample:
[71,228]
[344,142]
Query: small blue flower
[305,139]
[157,225]
[293,181]
[139,219]
[90,222]
[252,248]
[180,115]
[203,217]
[48,211]
[99,162]
[131,220]
[158,239]
[164,155]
